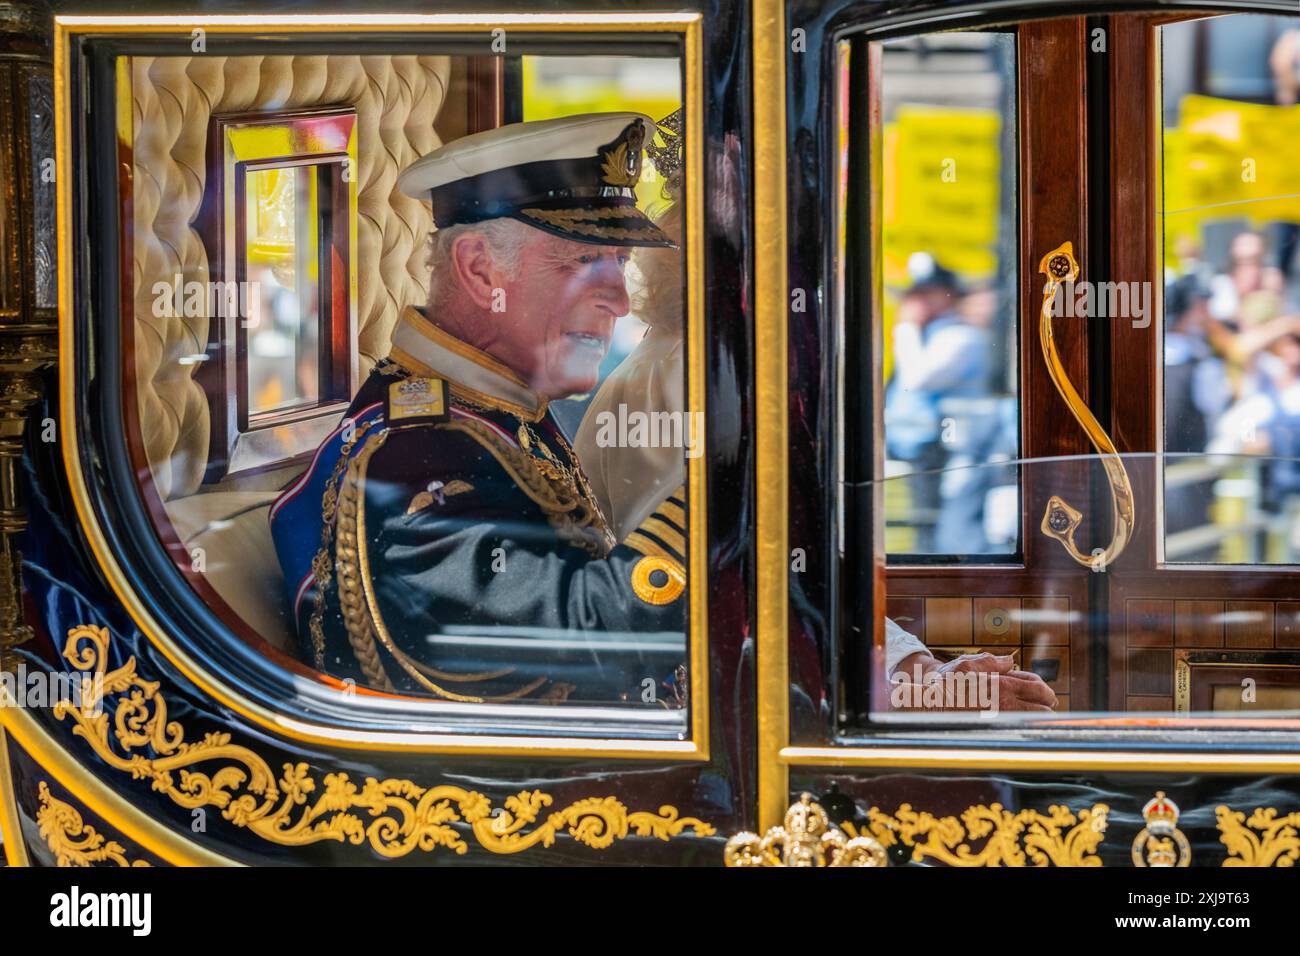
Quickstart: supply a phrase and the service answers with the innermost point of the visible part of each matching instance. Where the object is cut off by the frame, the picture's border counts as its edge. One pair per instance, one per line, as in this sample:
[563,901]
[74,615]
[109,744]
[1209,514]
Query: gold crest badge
[622,162]
[416,397]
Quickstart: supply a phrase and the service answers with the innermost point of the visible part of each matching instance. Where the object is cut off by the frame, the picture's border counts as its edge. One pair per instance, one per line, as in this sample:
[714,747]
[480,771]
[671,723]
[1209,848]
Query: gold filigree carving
[73,841]
[1276,844]
[1027,838]
[394,816]
[806,840]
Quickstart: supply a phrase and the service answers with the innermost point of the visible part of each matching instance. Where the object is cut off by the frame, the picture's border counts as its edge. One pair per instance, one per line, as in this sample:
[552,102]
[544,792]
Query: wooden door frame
[1051,58]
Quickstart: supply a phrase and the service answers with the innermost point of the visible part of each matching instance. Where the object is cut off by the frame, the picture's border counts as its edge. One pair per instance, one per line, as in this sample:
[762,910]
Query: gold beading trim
[73,841]
[402,815]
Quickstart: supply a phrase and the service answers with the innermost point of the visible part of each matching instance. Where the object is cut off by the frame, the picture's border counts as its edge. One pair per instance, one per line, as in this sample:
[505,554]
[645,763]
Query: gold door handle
[1060,520]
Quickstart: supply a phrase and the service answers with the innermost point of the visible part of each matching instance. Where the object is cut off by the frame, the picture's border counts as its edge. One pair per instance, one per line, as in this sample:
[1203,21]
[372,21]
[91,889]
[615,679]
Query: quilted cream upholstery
[397,99]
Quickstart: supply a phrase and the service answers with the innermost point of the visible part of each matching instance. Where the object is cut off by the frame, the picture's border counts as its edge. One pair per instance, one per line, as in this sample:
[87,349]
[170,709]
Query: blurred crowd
[1231,385]
[949,421]
[1232,365]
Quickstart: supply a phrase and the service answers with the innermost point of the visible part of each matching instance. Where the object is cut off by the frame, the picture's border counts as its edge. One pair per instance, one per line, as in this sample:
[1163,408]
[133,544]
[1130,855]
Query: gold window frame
[685,27]
[776,755]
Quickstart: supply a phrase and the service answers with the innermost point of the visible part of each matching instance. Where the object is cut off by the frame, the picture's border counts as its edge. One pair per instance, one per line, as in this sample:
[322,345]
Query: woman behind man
[631,483]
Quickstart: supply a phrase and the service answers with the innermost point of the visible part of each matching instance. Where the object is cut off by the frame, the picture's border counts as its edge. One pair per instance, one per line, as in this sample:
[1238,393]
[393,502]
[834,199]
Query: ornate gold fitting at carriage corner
[806,839]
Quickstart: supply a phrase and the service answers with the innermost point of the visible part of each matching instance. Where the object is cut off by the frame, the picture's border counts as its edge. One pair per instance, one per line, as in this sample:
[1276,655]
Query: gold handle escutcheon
[1060,520]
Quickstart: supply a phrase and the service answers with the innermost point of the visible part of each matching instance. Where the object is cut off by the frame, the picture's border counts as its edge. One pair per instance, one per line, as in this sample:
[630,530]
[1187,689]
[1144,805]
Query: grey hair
[506,239]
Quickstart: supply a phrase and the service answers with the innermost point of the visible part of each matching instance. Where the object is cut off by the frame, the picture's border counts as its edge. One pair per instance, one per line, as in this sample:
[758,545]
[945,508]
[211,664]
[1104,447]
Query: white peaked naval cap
[573,176]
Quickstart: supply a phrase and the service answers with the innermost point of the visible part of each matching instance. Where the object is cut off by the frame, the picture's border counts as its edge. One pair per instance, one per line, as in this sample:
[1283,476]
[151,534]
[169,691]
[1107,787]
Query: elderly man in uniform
[445,540]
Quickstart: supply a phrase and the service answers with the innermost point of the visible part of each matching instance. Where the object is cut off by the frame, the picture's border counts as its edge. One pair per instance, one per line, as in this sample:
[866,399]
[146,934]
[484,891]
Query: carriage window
[948,236]
[1118,600]
[278,225]
[1231,228]
[441,446]
[281,260]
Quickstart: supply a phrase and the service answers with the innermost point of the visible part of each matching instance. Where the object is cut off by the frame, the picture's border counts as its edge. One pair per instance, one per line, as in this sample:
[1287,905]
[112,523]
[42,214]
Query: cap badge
[622,162]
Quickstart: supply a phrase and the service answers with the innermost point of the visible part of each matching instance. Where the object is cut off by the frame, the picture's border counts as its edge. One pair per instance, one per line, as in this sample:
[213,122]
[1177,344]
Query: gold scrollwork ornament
[806,839]
[1059,837]
[72,840]
[396,816]
[1160,842]
[1262,839]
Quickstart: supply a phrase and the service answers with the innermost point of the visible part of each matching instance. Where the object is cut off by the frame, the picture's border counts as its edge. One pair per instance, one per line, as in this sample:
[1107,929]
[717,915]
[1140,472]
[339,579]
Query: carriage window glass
[949,227]
[554,86]
[281,217]
[277,228]
[421,426]
[1231,228]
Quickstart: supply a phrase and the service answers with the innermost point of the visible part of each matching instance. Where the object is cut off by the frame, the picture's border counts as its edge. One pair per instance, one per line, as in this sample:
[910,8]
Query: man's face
[559,313]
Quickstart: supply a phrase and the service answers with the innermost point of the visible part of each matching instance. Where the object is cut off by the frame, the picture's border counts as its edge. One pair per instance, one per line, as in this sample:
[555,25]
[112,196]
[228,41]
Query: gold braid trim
[576,520]
[356,598]
[321,566]
[579,221]
[360,607]
[561,216]
[463,678]
[352,604]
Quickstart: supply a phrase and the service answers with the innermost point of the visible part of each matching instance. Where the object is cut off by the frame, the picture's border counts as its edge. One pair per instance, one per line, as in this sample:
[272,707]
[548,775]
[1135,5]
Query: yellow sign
[1229,160]
[942,171]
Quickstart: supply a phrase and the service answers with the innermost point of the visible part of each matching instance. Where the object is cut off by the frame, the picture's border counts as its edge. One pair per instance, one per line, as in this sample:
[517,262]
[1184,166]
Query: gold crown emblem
[1160,812]
[807,839]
